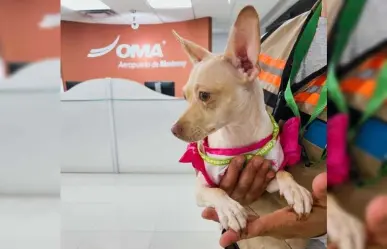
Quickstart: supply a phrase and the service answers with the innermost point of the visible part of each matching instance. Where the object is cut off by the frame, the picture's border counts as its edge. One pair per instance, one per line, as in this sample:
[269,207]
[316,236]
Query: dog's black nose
[176,129]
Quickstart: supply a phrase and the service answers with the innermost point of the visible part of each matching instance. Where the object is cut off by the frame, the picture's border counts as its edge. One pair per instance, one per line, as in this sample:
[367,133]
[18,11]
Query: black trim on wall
[13,67]
[71,84]
[166,87]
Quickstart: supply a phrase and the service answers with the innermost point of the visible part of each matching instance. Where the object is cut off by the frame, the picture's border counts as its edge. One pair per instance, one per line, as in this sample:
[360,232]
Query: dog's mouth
[196,136]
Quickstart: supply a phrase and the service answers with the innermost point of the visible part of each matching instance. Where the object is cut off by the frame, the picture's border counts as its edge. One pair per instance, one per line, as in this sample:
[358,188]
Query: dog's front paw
[231,214]
[344,230]
[298,197]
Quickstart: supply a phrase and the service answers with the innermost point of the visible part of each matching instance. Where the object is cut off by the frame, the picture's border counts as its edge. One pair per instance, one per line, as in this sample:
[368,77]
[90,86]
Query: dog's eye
[204,96]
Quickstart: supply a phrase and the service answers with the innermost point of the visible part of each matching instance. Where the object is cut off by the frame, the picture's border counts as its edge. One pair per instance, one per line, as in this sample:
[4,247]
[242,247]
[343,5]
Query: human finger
[210,214]
[263,176]
[231,177]
[246,179]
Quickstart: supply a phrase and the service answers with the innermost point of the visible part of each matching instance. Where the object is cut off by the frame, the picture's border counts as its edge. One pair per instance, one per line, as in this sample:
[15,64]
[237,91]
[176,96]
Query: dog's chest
[216,172]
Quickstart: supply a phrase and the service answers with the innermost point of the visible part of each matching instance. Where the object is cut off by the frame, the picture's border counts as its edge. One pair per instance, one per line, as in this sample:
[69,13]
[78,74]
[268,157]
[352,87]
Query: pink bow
[338,158]
[290,142]
[191,155]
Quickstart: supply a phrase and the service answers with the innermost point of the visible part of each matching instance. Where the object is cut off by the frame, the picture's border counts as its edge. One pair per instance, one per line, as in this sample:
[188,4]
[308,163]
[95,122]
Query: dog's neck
[253,125]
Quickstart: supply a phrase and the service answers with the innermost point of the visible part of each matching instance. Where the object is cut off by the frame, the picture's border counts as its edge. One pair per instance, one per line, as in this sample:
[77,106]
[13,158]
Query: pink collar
[235,151]
[192,154]
[289,143]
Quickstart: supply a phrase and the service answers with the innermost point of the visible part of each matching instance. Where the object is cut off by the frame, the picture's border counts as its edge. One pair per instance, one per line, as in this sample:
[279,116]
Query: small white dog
[226,117]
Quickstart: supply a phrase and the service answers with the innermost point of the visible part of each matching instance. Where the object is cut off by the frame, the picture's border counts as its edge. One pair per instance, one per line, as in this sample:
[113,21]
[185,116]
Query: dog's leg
[344,230]
[297,196]
[231,214]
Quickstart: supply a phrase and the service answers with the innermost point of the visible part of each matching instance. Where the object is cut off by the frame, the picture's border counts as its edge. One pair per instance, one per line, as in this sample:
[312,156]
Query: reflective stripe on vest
[311,93]
[362,80]
[368,150]
[271,69]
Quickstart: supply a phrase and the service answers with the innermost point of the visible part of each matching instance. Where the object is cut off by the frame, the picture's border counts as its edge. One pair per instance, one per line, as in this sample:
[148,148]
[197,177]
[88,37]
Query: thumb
[210,214]
[331,246]
[376,219]
[253,229]
[319,187]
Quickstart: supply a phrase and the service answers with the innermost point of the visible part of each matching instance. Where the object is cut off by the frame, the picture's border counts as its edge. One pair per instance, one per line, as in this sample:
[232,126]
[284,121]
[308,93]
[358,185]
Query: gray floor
[134,212]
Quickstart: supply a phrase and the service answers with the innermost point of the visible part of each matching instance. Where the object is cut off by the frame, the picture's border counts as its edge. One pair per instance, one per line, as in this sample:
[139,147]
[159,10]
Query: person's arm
[282,223]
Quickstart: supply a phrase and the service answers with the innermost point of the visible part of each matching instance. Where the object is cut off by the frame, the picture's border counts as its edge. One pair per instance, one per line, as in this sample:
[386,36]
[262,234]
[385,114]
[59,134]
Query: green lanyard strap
[335,93]
[379,96]
[300,52]
[349,18]
[347,22]
[319,108]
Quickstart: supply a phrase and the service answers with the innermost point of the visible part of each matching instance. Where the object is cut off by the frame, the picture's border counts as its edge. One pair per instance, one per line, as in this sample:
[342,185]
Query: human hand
[376,223]
[247,185]
[282,223]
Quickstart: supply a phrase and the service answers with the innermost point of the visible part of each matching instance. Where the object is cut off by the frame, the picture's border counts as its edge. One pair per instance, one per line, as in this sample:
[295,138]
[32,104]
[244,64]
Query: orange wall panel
[150,53]
[21,37]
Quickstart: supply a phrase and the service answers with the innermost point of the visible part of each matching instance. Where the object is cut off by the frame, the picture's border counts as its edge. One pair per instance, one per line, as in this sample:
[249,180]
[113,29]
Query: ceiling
[222,12]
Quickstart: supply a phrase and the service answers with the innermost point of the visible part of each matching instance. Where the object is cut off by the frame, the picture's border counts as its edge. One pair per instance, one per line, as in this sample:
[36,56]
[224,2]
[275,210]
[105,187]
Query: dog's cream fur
[233,115]
[344,229]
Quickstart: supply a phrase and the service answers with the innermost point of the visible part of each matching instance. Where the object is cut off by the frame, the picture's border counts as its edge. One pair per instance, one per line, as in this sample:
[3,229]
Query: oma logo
[129,50]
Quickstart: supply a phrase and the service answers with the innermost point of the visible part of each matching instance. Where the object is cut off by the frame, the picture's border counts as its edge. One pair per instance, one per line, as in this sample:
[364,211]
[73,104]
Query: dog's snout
[177,129]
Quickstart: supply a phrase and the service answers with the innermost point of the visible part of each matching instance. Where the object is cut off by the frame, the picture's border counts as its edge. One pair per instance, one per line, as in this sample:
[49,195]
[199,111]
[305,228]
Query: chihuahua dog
[227,110]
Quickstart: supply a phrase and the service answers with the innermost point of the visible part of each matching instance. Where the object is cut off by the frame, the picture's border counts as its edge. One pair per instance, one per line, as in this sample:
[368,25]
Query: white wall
[29,130]
[86,131]
[103,125]
[116,125]
[219,41]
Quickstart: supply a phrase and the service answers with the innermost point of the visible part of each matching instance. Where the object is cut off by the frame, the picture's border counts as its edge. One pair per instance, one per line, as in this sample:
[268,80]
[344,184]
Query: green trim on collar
[261,152]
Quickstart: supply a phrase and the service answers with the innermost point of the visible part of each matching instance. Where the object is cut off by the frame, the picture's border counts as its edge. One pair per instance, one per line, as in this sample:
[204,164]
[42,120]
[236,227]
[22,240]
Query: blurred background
[30,124]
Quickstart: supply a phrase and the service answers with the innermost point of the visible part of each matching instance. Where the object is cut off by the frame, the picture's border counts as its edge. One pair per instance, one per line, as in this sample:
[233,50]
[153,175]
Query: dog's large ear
[244,43]
[195,52]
